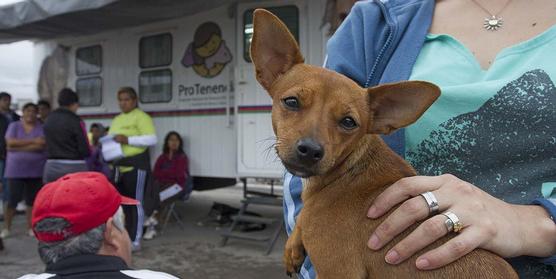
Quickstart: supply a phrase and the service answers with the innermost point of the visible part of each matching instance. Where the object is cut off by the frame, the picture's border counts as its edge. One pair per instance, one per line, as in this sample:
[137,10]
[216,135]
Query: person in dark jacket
[7,116]
[67,145]
[5,103]
[4,123]
[87,238]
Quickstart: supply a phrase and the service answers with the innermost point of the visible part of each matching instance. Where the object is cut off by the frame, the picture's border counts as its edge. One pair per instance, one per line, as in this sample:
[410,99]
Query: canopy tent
[47,19]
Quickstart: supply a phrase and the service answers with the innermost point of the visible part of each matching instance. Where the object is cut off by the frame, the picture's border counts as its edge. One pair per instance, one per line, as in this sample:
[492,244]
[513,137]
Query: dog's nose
[309,151]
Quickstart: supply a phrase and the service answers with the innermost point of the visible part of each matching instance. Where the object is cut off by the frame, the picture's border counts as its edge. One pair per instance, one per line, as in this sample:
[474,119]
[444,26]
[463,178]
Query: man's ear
[273,48]
[397,105]
[110,237]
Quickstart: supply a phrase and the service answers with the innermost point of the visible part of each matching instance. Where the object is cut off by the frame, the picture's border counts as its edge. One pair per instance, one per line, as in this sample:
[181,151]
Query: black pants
[132,184]
[23,187]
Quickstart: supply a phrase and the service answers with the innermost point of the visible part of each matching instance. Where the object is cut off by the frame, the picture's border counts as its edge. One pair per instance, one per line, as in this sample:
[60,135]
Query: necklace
[494,22]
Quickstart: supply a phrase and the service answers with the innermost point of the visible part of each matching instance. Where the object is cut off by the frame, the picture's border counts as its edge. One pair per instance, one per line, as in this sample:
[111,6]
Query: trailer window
[155,86]
[89,91]
[88,60]
[155,51]
[288,14]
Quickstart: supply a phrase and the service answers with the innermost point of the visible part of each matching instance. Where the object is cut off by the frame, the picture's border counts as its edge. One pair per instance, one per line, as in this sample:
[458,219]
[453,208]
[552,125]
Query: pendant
[493,23]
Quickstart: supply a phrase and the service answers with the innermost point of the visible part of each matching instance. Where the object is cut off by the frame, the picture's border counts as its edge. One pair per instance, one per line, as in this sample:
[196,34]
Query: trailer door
[256,154]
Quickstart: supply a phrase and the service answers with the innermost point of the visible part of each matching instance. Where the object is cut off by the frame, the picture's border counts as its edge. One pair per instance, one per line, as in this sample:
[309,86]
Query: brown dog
[326,128]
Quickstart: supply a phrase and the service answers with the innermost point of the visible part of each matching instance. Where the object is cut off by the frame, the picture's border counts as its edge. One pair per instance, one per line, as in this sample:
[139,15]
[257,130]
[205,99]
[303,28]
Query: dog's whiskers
[267,151]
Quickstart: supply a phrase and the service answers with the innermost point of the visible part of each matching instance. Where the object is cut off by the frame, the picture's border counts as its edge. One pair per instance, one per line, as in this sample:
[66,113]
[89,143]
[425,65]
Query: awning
[47,19]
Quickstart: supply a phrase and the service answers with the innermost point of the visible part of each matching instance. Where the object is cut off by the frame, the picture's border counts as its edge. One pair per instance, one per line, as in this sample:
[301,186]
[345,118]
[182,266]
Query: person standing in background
[7,116]
[24,164]
[44,110]
[5,103]
[67,145]
[97,131]
[96,161]
[134,130]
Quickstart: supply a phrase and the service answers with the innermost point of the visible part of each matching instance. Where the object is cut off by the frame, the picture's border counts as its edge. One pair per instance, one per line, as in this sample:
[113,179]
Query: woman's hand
[489,223]
[120,139]
[39,141]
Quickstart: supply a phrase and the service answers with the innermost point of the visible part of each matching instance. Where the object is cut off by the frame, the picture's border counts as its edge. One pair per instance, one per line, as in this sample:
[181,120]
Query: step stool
[257,198]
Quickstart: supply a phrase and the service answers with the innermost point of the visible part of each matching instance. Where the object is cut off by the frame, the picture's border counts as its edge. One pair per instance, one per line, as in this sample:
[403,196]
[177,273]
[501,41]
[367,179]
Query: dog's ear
[273,48]
[397,105]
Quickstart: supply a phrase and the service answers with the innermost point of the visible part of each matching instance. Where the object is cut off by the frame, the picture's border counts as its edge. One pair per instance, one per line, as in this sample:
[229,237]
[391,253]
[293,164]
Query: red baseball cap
[84,199]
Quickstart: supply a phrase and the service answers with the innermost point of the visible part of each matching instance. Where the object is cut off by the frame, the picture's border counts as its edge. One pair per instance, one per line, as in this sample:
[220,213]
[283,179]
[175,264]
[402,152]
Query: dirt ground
[193,252]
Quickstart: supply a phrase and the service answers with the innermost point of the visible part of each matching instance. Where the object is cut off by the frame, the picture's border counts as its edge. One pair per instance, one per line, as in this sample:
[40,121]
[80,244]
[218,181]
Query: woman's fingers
[407,214]
[457,247]
[402,190]
[427,233]
[467,202]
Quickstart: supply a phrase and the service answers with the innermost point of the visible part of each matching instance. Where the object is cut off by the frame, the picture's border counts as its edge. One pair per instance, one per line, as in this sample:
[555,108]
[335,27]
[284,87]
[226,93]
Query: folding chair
[171,211]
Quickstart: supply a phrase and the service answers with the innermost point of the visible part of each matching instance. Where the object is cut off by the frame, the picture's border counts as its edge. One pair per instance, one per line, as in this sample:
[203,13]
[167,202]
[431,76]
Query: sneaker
[21,206]
[30,233]
[5,233]
[135,247]
[150,233]
[150,222]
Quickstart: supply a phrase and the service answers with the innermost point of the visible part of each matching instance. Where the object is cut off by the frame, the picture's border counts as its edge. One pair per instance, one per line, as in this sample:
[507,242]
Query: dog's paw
[293,259]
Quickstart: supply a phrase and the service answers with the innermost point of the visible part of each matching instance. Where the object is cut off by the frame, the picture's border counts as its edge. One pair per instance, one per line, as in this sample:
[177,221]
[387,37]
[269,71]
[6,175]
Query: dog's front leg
[294,253]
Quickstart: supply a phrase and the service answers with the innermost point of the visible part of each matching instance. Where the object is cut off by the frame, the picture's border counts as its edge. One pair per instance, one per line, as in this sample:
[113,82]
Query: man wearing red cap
[79,223]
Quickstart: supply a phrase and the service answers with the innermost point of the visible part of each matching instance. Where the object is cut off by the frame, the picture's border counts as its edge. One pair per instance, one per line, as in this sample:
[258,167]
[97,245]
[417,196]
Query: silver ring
[432,202]
[453,224]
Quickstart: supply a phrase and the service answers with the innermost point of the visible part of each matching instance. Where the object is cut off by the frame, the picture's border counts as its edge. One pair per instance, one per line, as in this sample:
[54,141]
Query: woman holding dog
[486,150]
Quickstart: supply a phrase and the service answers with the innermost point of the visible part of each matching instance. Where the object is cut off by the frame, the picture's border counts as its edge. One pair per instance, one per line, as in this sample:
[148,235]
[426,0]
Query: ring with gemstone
[453,224]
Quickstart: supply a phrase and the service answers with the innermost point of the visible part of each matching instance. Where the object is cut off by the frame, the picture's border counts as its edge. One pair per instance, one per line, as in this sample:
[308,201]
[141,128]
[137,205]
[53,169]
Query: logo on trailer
[208,53]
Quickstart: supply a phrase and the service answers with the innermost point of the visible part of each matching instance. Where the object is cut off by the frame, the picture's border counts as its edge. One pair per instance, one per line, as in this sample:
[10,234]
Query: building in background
[17,71]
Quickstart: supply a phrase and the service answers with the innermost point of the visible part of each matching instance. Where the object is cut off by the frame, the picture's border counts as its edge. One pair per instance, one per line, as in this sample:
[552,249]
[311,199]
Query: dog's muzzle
[308,152]
[304,160]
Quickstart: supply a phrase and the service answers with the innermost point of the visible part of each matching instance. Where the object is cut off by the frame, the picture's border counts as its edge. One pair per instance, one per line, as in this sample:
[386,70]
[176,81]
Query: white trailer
[193,75]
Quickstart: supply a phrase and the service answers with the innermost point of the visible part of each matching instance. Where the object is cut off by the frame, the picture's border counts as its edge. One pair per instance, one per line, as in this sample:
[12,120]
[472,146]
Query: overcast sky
[17,73]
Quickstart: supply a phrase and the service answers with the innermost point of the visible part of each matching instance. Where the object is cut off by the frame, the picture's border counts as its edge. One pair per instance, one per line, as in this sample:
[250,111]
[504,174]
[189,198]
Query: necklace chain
[488,12]
[494,22]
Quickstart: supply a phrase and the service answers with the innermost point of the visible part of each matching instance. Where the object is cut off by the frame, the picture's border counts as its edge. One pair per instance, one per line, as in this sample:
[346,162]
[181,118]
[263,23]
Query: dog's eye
[348,123]
[291,103]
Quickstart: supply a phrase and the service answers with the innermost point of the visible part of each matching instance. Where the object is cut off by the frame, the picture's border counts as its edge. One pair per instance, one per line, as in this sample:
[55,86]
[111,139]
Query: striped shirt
[293,186]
